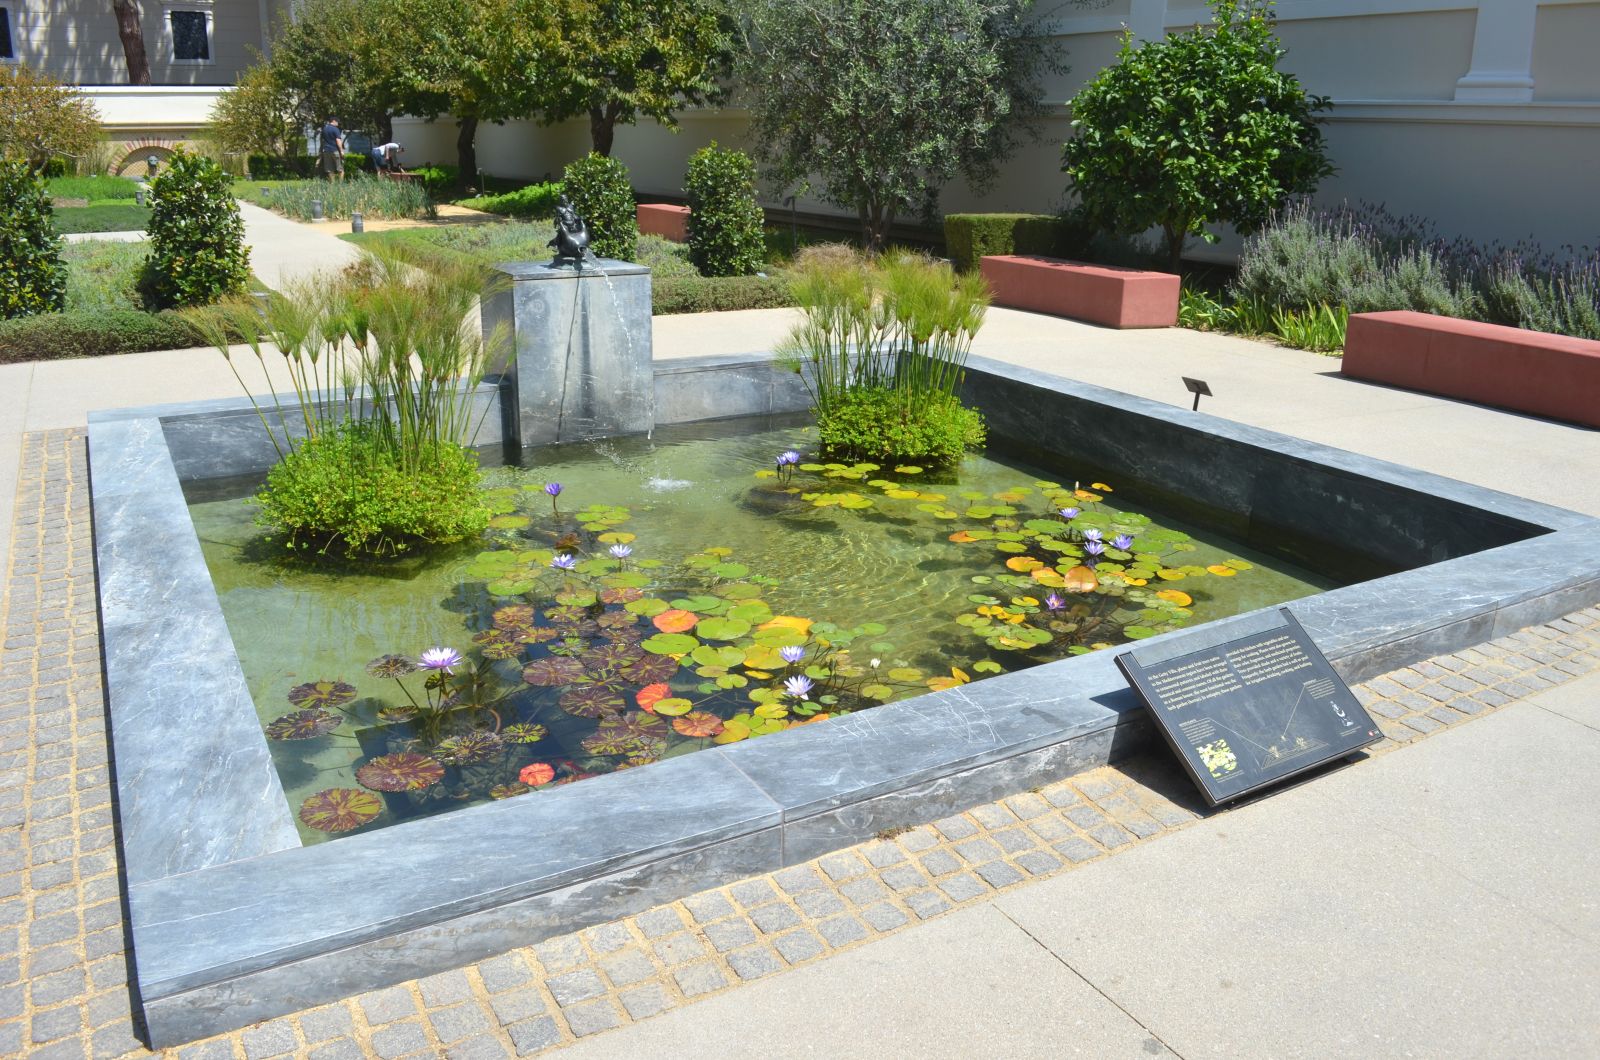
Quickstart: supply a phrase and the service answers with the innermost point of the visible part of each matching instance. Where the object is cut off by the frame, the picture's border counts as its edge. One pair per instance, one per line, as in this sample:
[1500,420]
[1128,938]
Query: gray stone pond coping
[233,921]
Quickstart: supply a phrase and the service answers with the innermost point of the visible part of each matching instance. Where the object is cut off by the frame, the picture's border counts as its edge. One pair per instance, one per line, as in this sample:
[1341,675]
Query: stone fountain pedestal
[579,366]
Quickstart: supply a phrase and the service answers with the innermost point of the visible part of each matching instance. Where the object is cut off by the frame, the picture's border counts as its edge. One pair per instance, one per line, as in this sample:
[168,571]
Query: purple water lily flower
[797,686]
[1053,602]
[788,457]
[553,488]
[564,562]
[1094,548]
[792,654]
[1122,541]
[1070,513]
[440,659]
[1091,534]
[620,551]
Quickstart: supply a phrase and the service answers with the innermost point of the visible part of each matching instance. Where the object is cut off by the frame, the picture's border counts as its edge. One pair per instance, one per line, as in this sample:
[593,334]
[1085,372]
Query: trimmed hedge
[295,167]
[707,294]
[726,225]
[535,200]
[92,333]
[971,236]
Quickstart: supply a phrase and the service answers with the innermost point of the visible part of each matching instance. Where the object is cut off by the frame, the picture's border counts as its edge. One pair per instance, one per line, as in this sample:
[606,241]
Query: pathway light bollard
[357,224]
[316,209]
[1198,388]
[265,191]
[138,195]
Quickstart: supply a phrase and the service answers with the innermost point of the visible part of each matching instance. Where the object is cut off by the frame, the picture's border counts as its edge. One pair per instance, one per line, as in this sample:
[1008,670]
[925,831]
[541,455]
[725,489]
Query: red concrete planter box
[668,222]
[1529,371]
[1101,294]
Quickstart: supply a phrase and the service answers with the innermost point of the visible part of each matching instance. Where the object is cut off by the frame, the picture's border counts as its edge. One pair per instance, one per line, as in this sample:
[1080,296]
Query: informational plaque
[1247,702]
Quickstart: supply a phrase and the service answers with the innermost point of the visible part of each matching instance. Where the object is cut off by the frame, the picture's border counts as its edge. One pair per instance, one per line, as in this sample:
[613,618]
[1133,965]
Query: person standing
[332,160]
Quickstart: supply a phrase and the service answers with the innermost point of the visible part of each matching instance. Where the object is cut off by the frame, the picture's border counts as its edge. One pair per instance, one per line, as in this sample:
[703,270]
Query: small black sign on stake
[1248,703]
[1198,388]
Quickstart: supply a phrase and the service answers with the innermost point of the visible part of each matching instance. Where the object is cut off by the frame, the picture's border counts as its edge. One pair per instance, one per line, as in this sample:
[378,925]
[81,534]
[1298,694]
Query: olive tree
[1200,128]
[877,104]
[41,118]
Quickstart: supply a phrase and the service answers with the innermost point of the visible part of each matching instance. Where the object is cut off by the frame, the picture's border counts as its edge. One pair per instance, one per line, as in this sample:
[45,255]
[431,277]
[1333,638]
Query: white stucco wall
[77,41]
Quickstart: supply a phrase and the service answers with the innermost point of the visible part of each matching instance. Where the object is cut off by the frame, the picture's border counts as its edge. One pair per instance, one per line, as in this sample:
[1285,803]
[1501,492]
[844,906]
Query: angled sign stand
[1247,703]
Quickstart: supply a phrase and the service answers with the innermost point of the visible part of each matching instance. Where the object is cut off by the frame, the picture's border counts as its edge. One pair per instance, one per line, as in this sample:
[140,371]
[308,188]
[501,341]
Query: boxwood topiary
[726,224]
[599,190]
[968,237]
[197,251]
[33,278]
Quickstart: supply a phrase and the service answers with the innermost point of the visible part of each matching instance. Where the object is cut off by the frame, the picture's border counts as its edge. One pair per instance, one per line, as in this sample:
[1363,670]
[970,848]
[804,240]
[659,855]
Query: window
[7,51]
[191,35]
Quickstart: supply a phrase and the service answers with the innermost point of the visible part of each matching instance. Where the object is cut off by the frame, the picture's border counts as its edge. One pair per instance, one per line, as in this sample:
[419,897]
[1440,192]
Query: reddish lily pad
[524,733]
[405,771]
[507,791]
[651,669]
[302,725]
[620,594]
[497,644]
[322,693]
[648,696]
[552,671]
[616,620]
[591,701]
[697,723]
[469,748]
[391,666]
[339,809]
[610,656]
[514,616]
[536,634]
[675,621]
[537,773]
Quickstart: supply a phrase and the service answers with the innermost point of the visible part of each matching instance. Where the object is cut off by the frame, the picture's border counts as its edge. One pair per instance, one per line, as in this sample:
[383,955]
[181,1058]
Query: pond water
[743,600]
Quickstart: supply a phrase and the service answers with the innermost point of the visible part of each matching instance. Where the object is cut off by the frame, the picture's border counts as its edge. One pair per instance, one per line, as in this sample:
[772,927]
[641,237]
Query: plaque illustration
[1218,758]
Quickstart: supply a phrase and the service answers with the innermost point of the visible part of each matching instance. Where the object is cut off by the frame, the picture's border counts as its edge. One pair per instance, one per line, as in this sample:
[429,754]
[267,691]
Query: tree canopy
[40,117]
[1196,129]
[882,102]
[620,59]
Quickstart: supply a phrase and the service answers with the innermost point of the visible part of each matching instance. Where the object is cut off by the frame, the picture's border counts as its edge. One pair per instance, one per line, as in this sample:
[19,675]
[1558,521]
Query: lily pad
[672,706]
[322,693]
[649,607]
[675,621]
[302,725]
[698,724]
[537,773]
[391,666]
[469,748]
[650,669]
[405,771]
[524,732]
[648,696]
[507,791]
[620,594]
[591,701]
[610,656]
[669,644]
[552,671]
[339,809]
[722,628]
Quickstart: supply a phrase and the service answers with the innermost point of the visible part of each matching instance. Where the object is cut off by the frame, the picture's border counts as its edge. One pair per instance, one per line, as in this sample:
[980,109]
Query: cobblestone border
[63,964]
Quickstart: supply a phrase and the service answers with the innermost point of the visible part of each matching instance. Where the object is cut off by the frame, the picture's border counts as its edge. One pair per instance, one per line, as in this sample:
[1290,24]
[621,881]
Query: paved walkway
[282,251]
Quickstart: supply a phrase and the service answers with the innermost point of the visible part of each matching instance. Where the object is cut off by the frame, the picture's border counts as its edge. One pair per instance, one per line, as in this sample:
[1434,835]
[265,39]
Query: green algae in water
[703,595]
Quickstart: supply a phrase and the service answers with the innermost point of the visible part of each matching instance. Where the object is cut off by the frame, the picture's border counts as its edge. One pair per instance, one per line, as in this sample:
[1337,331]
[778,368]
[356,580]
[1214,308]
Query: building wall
[77,41]
[1482,115]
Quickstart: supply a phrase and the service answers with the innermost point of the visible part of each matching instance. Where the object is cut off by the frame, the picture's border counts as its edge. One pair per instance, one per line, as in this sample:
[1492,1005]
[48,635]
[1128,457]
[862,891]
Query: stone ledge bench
[1100,294]
[1556,376]
[660,219]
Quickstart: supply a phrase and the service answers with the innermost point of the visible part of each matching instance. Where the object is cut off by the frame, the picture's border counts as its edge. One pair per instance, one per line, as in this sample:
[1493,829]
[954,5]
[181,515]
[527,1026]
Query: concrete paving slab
[1578,701]
[704,334]
[951,988]
[1446,799]
[1295,927]
[107,237]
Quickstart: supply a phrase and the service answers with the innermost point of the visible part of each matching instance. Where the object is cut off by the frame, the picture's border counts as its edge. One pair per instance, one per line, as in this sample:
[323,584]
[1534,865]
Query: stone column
[1502,53]
[579,365]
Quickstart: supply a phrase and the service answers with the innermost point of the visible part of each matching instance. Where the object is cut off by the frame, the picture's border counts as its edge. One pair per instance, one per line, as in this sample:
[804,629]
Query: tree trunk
[1176,237]
[467,151]
[386,128]
[875,222]
[602,129]
[132,34]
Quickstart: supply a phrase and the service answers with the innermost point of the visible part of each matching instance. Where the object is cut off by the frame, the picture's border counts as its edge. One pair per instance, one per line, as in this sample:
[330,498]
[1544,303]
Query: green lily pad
[669,644]
[722,628]
[508,522]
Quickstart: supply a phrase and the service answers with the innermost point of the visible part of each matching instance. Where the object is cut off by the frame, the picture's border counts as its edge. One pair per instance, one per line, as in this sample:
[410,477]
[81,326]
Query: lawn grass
[98,189]
[104,217]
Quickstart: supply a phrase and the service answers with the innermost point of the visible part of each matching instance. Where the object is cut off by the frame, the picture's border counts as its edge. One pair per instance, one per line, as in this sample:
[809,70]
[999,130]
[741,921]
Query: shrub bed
[92,333]
[714,294]
[374,197]
[536,201]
